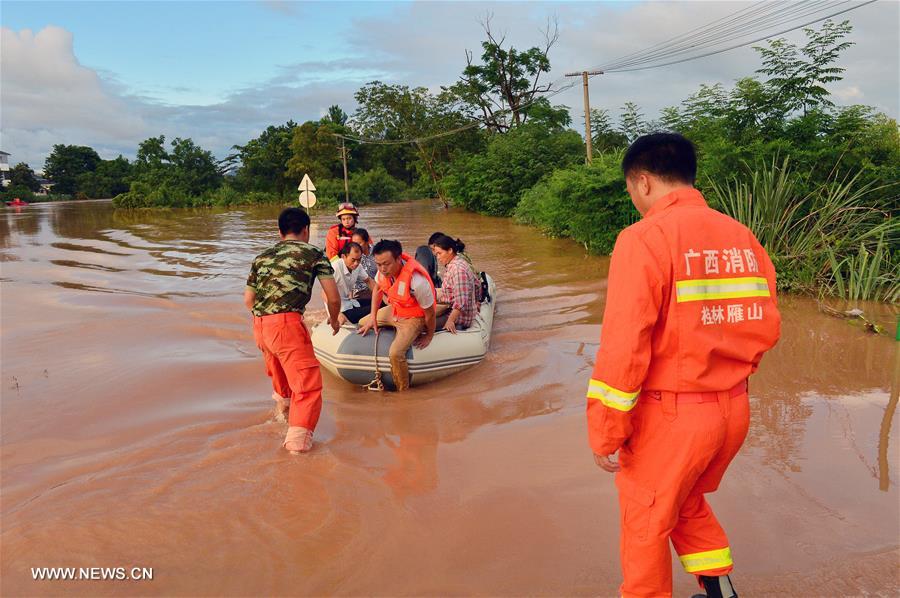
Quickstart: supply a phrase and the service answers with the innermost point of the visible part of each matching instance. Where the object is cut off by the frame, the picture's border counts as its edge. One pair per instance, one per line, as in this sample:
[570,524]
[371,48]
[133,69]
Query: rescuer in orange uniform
[690,310]
[342,233]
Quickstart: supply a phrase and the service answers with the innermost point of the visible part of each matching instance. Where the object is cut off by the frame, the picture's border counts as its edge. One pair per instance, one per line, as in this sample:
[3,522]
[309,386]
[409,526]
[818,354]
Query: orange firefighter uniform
[339,235]
[335,239]
[690,311]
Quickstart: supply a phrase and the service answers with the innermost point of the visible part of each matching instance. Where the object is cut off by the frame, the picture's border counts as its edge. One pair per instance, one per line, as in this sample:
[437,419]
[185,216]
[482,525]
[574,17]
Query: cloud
[48,97]
[283,7]
[849,94]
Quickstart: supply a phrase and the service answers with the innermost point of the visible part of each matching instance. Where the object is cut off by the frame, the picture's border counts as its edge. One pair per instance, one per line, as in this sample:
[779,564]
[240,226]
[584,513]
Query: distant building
[46,186]
[4,168]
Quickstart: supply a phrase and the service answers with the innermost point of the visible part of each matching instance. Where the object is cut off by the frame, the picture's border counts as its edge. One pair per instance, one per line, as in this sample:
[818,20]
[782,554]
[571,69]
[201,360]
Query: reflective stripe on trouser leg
[699,539]
[704,562]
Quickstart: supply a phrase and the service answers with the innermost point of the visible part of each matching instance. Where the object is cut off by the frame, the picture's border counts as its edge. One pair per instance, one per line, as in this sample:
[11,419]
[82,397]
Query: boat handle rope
[376,384]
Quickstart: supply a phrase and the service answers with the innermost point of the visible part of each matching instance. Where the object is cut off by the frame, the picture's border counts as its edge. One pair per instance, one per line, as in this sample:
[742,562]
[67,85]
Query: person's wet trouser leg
[677,452]
[286,338]
[280,384]
[408,330]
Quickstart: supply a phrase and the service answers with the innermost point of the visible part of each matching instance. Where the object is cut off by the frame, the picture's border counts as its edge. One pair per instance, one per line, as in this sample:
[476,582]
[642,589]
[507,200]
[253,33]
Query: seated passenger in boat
[411,310]
[458,295]
[361,236]
[480,291]
[347,273]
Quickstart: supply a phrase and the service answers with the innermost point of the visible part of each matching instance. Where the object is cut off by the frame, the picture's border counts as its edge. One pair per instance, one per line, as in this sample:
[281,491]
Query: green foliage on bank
[25,194]
[493,181]
[829,236]
[587,203]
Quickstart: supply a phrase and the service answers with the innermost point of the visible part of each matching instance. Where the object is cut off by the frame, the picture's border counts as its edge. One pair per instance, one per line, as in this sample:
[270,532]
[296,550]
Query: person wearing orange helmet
[341,233]
[690,310]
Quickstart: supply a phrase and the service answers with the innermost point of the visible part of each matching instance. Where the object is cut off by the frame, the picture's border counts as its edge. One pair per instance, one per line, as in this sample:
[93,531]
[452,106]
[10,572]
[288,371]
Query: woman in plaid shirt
[458,291]
[361,236]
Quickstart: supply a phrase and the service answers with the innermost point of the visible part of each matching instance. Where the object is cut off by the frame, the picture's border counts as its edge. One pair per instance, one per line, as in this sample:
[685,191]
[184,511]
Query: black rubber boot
[717,587]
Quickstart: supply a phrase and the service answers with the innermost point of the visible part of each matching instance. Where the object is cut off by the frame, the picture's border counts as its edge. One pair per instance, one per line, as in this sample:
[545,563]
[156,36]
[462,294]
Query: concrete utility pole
[346,183]
[587,110]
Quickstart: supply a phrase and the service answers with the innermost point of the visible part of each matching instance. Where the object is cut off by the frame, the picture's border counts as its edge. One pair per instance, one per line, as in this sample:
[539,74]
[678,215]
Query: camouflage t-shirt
[282,277]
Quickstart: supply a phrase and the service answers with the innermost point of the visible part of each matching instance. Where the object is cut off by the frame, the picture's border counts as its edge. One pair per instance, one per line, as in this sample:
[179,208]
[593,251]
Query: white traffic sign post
[306,188]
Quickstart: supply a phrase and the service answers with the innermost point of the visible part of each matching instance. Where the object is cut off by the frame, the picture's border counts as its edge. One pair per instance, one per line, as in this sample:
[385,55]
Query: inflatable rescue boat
[352,357]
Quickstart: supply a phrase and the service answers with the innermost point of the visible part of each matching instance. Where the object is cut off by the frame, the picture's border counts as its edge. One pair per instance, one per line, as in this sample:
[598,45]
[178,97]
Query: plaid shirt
[368,264]
[458,290]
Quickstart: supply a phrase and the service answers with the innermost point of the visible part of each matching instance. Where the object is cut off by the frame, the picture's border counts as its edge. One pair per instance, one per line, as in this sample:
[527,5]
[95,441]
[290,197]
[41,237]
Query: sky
[111,74]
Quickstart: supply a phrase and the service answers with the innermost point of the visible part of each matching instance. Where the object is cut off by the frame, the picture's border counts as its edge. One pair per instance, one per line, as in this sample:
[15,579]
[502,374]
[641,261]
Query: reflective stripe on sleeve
[721,288]
[707,561]
[612,397]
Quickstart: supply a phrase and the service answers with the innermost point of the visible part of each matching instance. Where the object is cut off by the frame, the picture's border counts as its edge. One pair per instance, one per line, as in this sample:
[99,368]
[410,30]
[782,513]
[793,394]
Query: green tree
[335,115]
[598,190]
[194,169]
[264,160]
[21,176]
[493,181]
[66,162]
[507,81]
[604,136]
[111,178]
[388,112]
[555,118]
[314,151]
[631,122]
[797,76]
[164,178]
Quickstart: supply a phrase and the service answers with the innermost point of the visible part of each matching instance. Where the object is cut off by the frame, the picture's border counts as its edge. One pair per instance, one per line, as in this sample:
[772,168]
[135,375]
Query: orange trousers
[292,365]
[679,451]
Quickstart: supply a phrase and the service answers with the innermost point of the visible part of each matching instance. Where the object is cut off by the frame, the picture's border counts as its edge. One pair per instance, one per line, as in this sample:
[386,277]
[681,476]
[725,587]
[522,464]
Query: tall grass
[867,275]
[831,237]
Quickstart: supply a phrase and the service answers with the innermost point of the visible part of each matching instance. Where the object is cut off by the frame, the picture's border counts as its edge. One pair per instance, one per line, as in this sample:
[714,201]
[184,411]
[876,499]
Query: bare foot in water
[298,440]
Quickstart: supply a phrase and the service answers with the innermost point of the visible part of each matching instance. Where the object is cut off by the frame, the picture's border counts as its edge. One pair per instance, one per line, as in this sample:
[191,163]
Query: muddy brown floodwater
[136,430]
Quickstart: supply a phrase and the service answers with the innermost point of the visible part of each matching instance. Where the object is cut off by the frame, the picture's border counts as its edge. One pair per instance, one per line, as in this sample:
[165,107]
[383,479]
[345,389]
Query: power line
[735,30]
[741,44]
[475,123]
[687,34]
[747,21]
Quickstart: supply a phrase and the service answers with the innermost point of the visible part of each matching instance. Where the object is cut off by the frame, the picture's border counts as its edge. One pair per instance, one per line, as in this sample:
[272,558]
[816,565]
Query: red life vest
[336,238]
[399,295]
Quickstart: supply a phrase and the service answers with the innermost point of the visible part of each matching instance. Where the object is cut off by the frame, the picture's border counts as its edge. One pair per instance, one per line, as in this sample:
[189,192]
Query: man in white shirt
[346,274]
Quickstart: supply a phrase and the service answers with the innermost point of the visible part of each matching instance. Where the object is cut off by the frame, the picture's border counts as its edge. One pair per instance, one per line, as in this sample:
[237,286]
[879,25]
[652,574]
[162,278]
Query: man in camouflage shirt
[278,289]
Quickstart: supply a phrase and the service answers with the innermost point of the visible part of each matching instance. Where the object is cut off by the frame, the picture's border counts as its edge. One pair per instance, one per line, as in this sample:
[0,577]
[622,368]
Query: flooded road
[136,430]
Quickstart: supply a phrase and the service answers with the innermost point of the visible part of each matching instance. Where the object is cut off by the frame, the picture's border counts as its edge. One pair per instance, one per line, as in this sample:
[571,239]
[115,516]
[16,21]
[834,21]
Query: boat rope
[376,384]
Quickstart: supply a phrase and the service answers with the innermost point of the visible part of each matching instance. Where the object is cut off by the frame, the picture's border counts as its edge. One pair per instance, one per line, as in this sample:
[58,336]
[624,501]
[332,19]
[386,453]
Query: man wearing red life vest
[342,233]
[690,310]
[411,310]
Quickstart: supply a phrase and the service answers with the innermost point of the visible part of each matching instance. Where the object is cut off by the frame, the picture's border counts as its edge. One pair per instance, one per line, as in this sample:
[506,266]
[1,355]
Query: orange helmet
[347,208]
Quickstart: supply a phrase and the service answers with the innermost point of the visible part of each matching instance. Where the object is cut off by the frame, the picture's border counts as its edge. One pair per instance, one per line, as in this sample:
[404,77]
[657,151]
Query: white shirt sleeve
[343,282]
[421,290]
